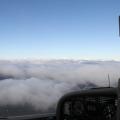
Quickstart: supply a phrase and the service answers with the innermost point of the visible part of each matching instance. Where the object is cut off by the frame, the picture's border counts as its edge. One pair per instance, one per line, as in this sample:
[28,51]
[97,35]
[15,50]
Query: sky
[59,29]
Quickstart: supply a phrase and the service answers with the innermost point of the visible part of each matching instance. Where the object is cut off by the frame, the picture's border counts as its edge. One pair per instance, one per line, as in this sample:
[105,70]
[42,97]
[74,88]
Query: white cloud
[42,83]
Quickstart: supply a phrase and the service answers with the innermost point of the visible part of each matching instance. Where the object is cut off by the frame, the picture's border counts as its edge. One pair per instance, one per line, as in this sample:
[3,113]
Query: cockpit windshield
[49,48]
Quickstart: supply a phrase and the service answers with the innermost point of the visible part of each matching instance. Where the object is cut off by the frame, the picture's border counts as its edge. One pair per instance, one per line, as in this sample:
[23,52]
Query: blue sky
[57,29]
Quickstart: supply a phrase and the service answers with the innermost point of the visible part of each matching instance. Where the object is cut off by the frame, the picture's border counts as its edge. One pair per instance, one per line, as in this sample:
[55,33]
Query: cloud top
[41,83]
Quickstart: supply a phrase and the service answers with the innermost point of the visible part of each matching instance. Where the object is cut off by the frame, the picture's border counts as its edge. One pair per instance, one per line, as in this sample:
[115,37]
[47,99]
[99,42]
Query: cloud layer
[41,83]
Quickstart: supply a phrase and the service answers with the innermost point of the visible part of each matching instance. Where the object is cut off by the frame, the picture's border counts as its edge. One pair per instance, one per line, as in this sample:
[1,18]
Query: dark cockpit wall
[94,104]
